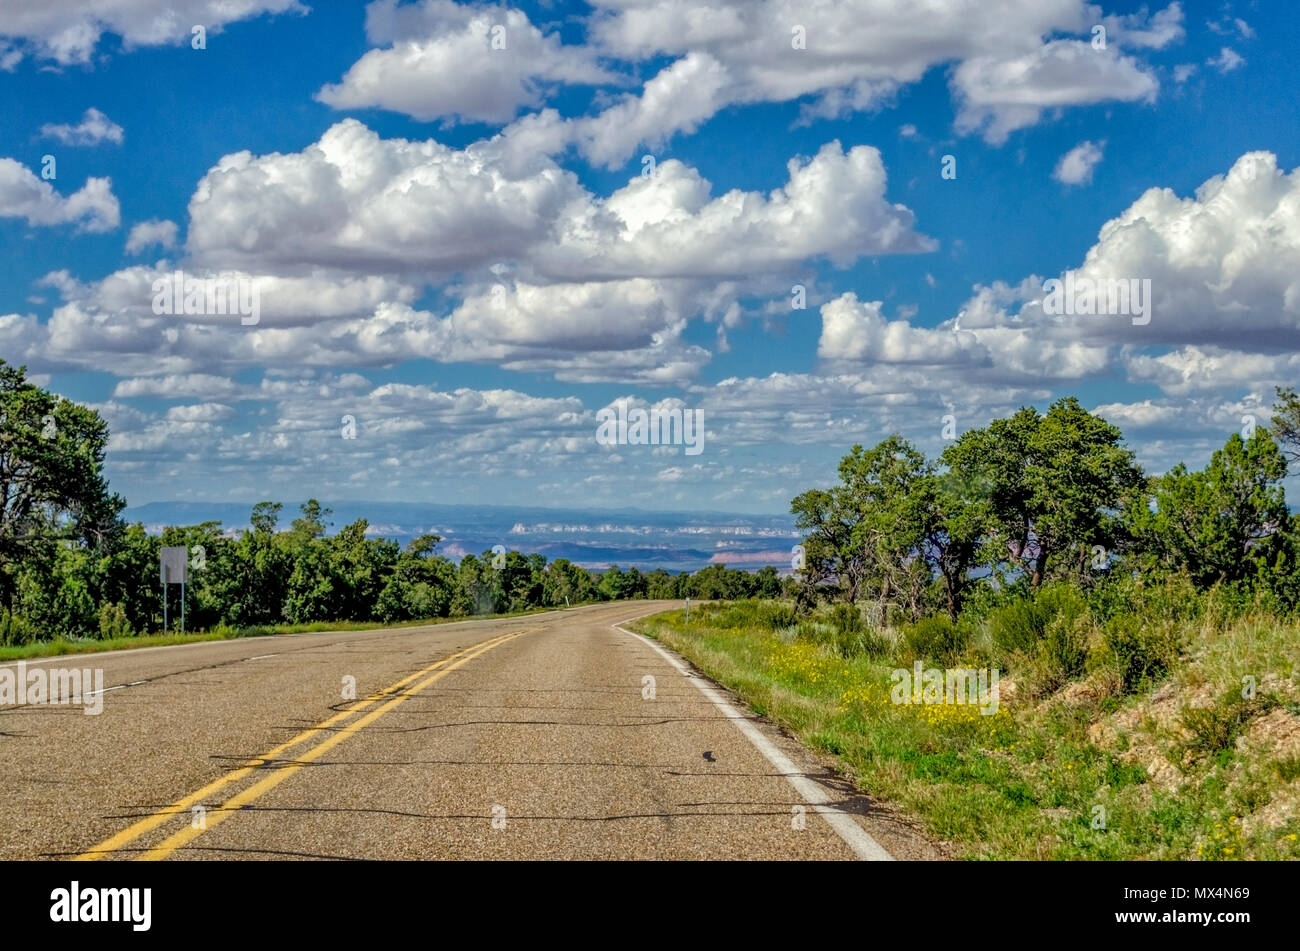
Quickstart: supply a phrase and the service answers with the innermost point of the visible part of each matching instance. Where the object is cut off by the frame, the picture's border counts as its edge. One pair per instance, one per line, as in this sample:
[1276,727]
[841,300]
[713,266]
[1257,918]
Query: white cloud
[95,127]
[842,57]
[1138,30]
[147,234]
[1000,94]
[440,62]
[1227,60]
[355,201]
[667,225]
[201,413]
[178,386]
[69,31]
[857,331]
[1076,165]
[93,207]
[1197,369]
[1224,311]
[679,99]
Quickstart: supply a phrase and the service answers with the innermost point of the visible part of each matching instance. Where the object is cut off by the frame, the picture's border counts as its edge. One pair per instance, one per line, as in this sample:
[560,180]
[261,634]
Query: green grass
[94,645]
[1063,773]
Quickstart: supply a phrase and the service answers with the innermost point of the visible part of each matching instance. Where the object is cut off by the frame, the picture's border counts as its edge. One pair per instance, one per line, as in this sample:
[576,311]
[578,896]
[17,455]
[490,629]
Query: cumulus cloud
[854,56]
[68,32]
[147,234]
[857,331]
[444,60]
[95,127]
[1011,59]
[999,95]
[1224,309]
[205,386]
[354,200]
[1197,369]
[92,208]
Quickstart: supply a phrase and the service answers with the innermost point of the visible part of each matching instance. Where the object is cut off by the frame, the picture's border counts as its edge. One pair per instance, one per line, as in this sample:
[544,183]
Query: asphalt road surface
[535,737]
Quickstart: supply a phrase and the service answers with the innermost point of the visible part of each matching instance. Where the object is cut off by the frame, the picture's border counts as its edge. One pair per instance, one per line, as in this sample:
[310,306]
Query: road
[533,737]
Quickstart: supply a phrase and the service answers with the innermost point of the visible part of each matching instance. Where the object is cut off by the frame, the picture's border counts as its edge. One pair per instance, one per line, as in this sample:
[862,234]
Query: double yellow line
[217,815]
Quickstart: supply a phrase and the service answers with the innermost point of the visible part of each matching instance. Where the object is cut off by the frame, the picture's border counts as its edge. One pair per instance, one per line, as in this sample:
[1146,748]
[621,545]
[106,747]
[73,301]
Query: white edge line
[854,836]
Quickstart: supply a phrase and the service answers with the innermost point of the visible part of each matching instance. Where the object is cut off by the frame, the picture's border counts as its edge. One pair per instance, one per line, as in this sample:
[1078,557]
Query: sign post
[172,565]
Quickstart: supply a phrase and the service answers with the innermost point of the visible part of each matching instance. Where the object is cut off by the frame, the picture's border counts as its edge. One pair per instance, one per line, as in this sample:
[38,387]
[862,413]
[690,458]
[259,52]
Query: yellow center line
[253,792]
[133,832]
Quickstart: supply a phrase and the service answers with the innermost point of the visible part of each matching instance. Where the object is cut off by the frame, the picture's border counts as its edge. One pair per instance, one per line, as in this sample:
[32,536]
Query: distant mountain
[676,541]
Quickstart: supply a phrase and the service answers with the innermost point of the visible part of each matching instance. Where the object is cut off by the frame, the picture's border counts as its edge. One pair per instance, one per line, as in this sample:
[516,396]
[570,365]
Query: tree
[264,566]
[1286,422]
[956,520]
[1054,485]
[1216,524]
[421,585]
[52,485]
[831,553]
[886,486]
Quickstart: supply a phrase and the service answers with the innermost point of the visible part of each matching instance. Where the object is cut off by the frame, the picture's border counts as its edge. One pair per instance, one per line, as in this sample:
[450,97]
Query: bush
[1139,650]
[1063,652]
[814,632]
[776,615]
[846,634]
[847,619]
[15,629]
[1021,624]
[864,643]
[936,637]
[1214,728]
[113,622]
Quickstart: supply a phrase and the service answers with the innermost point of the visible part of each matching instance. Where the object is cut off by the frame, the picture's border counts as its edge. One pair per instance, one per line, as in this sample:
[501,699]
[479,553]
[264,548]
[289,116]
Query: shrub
[866,642]
[1063,651]
[776,615]
[113,622]
[15,629]
[936,637]
[1214,728]
[1022,623]
[1139,650]
[847,619]
[814,632]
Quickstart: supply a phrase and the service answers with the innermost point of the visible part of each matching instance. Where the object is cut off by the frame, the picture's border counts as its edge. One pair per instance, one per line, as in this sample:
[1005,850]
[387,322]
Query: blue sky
[454,243]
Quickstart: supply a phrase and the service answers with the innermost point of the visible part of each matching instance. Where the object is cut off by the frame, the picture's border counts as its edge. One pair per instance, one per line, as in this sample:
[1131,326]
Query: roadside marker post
[172,566]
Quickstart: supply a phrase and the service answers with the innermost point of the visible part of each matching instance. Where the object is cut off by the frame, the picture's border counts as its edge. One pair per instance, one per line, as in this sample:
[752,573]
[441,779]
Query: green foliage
[1215,727]
[1215,525]
[1139,649]
[776,616]
[937,637]
[113,622]
[1022,623]
[1062,654]
[847,620]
